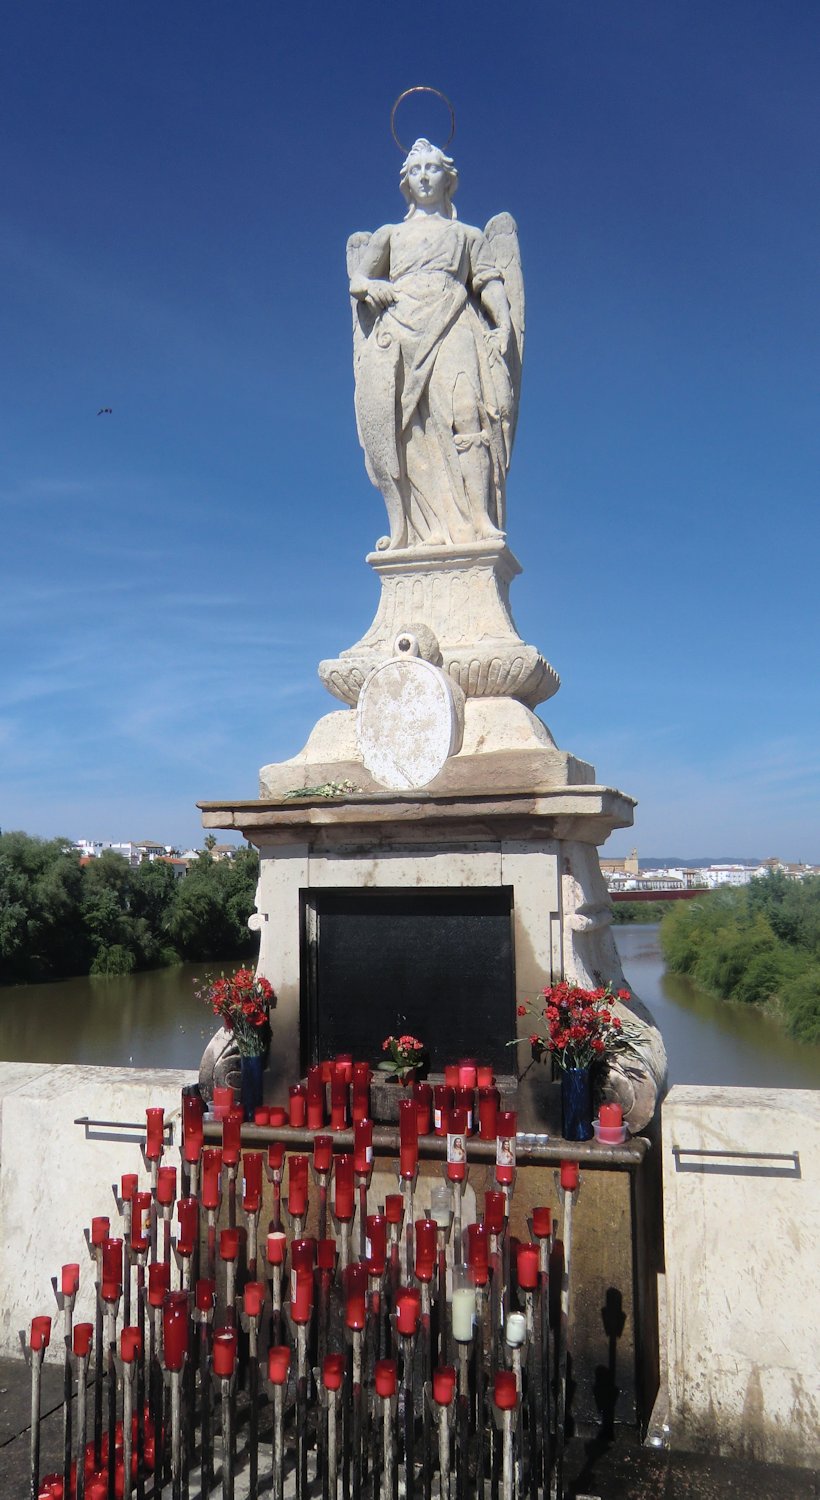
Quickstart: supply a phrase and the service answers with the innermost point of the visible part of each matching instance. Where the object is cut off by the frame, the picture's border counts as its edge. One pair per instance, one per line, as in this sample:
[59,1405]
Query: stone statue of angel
[438,335]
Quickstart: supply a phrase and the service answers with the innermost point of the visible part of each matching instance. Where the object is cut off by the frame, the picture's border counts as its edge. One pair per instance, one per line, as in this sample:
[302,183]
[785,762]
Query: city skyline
[186,511]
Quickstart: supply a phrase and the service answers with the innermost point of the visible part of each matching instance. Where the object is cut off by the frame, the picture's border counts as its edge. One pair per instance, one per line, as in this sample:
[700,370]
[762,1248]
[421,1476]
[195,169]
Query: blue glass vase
[576,1104]
[253,1072]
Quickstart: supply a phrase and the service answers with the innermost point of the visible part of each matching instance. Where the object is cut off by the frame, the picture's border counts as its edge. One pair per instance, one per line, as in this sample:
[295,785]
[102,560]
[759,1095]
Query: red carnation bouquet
[578,1027]
[242,1003]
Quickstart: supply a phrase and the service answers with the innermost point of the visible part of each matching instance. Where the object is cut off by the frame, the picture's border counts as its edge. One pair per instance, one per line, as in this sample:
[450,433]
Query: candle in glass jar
[362,1147]
[360,1092]
[408,1309]
[278,1364]
[154,1133]
[322,1153]
[253,1297]
[515,1330]
[343,1066]
[40,1333]
[159,1282]
[261,1115]
[495,1211]
[82,1335]
[275,1246]
[385,1378]
[464,1099]
[188,1216]
[252,1182]
[451,1075]
[297,1106]
[211,1175]
[129,1186]
[467,1073]
[276,1160]
[505,1146]
[488,1101]
[297,1186]
[303,1254]
[112,1261]
[339,1089]
[326,1255]
[569,1176]
[70,1280]
[355,1296]
[333,1371]
[175,1329]
[442,1102]
[224,1352]
[223,1101]
[408,1138]
[278,1116]
[463,1313]
[228,1244]
[140,1222]
[376,1244]
[232,1137]
[166,1186]
[444,1384]
[456,1145]
[344,1187]
[205,1295]
[485,1077]
[542,1223]
[505,1391]
[394,1208]
[478,1253]
[301,1296]
[423,1095]
[527,1262]
[99,1231]
[441,1204]
[426,1238]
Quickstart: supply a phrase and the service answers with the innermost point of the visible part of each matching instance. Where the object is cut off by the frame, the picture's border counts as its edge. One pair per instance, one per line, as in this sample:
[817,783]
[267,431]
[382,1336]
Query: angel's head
[428,179]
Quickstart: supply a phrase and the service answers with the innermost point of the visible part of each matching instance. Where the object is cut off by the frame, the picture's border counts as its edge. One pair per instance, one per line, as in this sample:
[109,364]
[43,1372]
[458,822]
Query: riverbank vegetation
[60,917]
[759,944]
[646,913]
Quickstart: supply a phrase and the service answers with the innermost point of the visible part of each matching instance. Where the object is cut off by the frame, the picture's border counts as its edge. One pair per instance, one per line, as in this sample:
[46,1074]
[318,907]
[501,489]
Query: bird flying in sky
[105,411]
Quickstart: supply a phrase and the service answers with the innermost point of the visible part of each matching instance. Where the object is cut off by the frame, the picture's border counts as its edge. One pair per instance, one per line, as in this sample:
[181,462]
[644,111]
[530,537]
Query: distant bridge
[680,895]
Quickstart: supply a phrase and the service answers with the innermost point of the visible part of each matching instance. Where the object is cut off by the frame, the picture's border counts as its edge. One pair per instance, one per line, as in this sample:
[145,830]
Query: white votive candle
[463,1313]
[516,1330]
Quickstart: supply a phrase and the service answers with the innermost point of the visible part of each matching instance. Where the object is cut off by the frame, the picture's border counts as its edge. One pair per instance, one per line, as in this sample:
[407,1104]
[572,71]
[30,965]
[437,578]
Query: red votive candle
[297,1106]
[193,1113]
[343,1183]
[128,1186]
[99,1231]
[505,1394]
[464,1099]
[166,1186]
[40,1333]
[355,1296]
[408,1309]
[70,1280]
[333,1371]
[188,1216]
[301,1299]
[278,1116]
[542,1223]
[339,1090]
[253,1297]
[205,1295]
[224,1352]
[495,1211]
[467,1073]
[252,1182]
[327,1070]
[485,1077]
[362,1147]
[192,1147]
[322,1153]
[276,1158]
[457,1145]
[112,1261]
[611,1115]
[297,1186]
[360,1092]
[505,1146]
[451,1075]
[442,1102]
[140,1220]
[159,1282]
[278,1364]
[154,1133]
[211,1175]
[315,1099]
[376,1244]
[223,1101]
[444,1384]
[478,1253]
[261,1115]
[488,1102]
[408,1138]
[303,1254]
[425,1239]
[82,1335]
[175,1329]
[569,1176]
[276,1245]
[527,1267]
[228,1244]
[385,1378]
[232,1138]
[423,1095]
[343,1066]
[326,1255]
[393,1208]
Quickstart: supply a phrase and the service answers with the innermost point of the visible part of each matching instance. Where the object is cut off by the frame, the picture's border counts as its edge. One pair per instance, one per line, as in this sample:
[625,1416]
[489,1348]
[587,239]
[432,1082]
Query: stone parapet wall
[56,1175]
[741,1176]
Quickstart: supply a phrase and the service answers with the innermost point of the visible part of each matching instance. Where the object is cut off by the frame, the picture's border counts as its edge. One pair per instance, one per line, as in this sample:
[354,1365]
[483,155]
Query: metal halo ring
[422,88]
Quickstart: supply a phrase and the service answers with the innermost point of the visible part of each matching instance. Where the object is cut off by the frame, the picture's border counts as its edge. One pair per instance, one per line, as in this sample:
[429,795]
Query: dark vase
[253,1072]
[576,1104]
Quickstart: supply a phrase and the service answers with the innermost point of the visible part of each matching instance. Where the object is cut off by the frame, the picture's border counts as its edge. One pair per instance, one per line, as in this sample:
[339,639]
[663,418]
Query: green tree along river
[153,1019]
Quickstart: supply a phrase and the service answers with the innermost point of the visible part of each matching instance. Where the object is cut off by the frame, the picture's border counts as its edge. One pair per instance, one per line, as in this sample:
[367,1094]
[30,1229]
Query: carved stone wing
[502,235]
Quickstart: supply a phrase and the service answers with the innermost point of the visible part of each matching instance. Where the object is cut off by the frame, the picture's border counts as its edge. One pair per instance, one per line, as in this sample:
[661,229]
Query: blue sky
[179,181]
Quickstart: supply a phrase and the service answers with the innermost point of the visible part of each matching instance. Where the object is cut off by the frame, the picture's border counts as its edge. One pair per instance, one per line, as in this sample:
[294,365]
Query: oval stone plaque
[410,721]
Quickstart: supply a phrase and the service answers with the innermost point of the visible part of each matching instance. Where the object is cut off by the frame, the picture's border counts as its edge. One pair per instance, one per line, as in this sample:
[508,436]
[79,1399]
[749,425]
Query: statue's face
[427,179]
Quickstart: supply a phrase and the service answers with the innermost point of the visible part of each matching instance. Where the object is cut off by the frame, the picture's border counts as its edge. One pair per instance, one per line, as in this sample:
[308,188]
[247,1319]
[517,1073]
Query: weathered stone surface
[410,721]
[741,1170]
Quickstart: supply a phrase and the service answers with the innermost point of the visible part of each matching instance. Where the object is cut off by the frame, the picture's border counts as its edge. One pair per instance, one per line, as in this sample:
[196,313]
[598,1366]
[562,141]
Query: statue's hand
[498,339]
[379,294]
